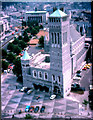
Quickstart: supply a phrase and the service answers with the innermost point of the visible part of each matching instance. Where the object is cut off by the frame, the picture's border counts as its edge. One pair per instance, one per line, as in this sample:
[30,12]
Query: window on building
[23,65]
[53,77]
[58,78]
[34,74]
[55,39]
[54,19]
[40,74]
[27,65]
[52,37]
[50,19]
[46,76]
[64,37]
[59,20]
[58,37]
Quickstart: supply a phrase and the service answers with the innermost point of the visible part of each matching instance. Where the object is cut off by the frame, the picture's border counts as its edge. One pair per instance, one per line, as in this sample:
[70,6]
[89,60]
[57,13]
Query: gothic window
[34,74]
[55,39]
[64,37]
[50,19]
[58,78]
[46,76]
[54,19]
[59,20]
[40,74]
[52,37]
[58,37]
[53,77]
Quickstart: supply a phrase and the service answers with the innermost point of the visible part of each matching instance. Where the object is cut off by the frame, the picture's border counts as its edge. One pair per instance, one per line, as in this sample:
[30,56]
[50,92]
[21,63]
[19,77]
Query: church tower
[60,61]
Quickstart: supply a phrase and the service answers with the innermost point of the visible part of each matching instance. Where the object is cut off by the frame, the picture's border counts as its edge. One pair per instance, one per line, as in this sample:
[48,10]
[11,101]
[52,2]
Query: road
[87,76]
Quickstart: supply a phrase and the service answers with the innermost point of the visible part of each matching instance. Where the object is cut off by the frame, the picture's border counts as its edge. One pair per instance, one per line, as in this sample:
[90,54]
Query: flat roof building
[39,16]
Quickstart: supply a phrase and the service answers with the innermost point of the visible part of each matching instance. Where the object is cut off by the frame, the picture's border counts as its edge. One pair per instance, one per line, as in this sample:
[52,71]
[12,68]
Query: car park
[23,89]
[52,97]
[42,109]
[36,109]
[27,108]
[29,91]
[31,109]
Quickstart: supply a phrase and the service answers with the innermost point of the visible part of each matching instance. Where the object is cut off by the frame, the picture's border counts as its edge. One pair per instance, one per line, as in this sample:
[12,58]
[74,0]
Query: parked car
[36,109]
[52,97]
[76,78]
[76,87]
[23,89]
[84,68]
[42,109]
[31,109]
[27,108]
[29,91]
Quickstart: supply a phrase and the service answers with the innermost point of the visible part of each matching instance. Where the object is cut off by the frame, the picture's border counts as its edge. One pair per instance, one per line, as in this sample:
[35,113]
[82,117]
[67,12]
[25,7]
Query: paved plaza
[12,100]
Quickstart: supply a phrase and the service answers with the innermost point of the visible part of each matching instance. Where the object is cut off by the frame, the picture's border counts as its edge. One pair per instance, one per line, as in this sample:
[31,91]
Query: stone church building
[52,72]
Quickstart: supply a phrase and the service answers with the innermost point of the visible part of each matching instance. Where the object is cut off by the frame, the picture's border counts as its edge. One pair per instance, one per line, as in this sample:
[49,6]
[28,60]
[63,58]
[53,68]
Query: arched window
[58,37]
[52,37]
[34,74]
[58,78]
[55,39]
[40,74]
[53,77]
[46,76]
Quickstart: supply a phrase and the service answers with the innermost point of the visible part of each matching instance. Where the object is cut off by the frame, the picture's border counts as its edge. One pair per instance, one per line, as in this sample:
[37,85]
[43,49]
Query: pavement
[12,100]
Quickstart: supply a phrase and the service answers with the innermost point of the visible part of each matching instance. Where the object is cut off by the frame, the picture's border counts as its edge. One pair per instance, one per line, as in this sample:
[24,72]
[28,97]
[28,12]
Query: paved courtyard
[12,100]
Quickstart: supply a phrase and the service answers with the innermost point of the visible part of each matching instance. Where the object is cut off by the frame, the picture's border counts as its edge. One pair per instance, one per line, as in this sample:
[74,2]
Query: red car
[84,68]
[31,108]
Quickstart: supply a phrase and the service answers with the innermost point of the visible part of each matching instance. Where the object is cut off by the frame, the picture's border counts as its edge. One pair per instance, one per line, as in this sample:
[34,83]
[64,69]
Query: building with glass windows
[53,72]
[39,16]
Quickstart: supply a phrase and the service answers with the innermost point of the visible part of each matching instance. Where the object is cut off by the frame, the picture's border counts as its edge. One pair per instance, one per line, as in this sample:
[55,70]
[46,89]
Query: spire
[58,13]
[25,56]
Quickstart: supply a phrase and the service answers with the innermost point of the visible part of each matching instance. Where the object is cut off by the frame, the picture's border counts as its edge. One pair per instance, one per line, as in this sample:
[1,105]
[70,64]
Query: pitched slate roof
[58,13]
[75,35]
[25,56]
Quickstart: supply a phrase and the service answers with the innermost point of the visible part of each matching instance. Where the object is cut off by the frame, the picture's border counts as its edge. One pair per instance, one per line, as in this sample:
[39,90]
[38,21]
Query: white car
[23,89]
[52,97]
[29,91]
[76,78]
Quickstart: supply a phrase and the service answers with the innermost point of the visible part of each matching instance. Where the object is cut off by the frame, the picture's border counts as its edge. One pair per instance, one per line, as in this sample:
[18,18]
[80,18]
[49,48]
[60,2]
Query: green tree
[4,53]
[41,27]
[17,50]
[41,41]
[85,102]
[17,68]
[24,33]
[4,65]
[34,31]
[23,23]
[26,38]
[10,47]
[11,57]
[16,41]
[22,44]
[20,37]
[28,116]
